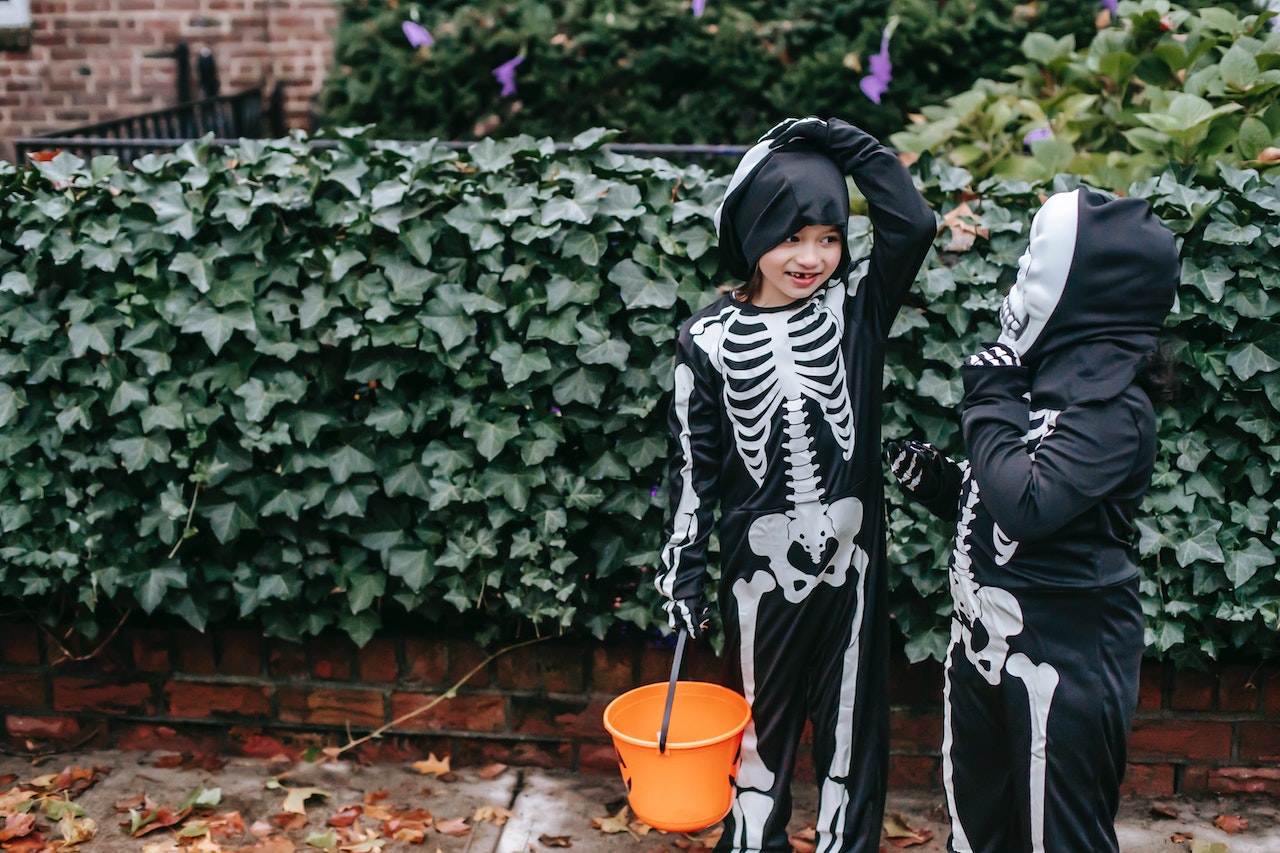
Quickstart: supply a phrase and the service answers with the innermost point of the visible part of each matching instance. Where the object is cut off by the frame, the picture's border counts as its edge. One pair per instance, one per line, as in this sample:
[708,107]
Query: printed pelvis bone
[821,538]
[987,617]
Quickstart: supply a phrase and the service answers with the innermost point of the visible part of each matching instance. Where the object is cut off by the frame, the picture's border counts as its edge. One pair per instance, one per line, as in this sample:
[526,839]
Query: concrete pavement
[493,809]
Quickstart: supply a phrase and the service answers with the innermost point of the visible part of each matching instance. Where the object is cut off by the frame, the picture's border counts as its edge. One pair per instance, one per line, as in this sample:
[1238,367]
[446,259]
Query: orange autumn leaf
[289,821]
[378,811]
[225,825]
[964,226]
[26,844]
[276,844]
[555,840]
[375,797]
[490,771]
[17,825]
[494,814]
[1231,823]
[805,841]
[409,834]
[454,826]
[902,834]
[433,765]
[347,816]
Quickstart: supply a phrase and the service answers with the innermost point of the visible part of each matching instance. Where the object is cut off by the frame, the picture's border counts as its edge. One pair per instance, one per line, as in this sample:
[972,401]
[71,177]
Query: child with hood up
[776,422]
[1047,628]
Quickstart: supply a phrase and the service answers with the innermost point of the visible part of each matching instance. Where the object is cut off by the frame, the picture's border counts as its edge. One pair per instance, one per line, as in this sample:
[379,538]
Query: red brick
[332,657]
[597,758]
[1180,739]
[1195,779]
[587,723]
[23,690]
[190,699]
[377,660]
[356,708]
[165,738]
[915,684]
[241,653]
[1155,780]
[656,662]
[1260,741]
[85,694]
[612,669]
[464,656]
[194,654]
[254,743]
[1245,780]
[427,661]
[915,733]
[56,729]
[464,713]
[709,668]
[287,658]
[1193,690]
[914,772]
[20,644]
[151,650]
[1151,686]
[1238,689]
[1269,679]
[519,669]
[542,755]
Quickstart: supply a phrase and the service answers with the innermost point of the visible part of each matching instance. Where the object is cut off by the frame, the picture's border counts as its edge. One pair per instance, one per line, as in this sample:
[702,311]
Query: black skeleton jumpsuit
[776,419]
[1047,632]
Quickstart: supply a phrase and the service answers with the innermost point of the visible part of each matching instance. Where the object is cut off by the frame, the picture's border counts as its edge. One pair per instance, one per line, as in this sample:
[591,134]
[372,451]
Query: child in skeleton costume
[776,418]
[1047,631]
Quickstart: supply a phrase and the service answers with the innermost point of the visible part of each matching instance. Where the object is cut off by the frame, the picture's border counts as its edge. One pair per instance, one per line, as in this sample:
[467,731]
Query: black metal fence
[228,117]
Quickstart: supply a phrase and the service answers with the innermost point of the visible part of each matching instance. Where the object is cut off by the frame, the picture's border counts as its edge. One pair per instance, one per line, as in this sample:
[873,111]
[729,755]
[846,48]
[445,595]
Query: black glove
[847,145]
[688,614]
[996,355]
[918,467]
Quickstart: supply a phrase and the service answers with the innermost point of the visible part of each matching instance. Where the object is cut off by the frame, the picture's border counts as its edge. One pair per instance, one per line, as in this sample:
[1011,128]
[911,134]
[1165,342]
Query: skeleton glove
[688,614]
[847,145]
[996,355]
[918,467]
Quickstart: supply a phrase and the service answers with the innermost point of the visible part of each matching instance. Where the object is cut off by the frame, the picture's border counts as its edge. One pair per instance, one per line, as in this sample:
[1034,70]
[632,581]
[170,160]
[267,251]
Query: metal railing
[228,117]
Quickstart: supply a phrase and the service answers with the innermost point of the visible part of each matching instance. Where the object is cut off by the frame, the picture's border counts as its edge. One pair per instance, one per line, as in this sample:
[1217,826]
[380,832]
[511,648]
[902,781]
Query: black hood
[772,195]
[1103,274]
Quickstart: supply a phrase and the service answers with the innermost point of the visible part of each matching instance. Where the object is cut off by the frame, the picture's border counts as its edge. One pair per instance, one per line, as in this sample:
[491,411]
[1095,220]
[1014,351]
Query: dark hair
[749,288]
[1158,375]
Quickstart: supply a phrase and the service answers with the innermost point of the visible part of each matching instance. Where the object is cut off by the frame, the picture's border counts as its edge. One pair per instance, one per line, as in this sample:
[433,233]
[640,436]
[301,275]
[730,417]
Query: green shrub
[1165,85]
[339,386]
[662,75]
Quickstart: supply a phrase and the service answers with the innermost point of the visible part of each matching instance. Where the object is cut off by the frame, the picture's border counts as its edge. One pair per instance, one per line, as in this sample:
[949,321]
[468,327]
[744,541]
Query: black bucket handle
[671,692]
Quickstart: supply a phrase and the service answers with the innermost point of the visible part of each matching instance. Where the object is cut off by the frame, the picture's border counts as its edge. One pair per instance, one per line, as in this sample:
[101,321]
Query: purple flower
[417,34]
[1036,135]
[506,74]
[1110,5]
[876,83]
[699,6]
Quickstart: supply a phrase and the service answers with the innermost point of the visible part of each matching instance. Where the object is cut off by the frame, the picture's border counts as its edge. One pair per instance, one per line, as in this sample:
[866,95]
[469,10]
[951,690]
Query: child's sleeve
[1091,450]
[694,420]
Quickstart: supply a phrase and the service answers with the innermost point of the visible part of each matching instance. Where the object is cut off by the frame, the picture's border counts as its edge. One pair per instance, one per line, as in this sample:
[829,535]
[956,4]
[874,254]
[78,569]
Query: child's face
[794,268]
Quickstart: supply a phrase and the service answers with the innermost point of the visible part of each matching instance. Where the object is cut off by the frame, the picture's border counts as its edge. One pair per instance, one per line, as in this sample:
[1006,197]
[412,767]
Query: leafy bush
[349,384]
[653,69]
[1166,85]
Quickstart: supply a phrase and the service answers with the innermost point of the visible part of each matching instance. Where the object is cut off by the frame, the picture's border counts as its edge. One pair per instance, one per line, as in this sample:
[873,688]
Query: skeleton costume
[1047,631]
[776,419]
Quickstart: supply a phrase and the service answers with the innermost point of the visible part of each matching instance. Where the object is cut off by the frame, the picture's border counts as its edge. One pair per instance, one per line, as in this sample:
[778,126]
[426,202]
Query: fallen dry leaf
[491,771]
[17,825]
[614,823]
[225,825]
[711,837]
[1163,812]
[295,800]
[1180,837]
[1231,823]
[375,797]
[277,844]
[261,828]
[8,778]
[494,814]
[965,230]
[902,834]
[454,826]
[76,830]
[289,821]
[555,840]
[805,841]
[347,816]
[638,827]
[433,765]
[1200,845]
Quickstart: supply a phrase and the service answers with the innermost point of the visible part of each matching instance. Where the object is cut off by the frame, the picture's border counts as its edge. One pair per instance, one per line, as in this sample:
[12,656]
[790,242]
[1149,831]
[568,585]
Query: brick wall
[236,692]
[89,58]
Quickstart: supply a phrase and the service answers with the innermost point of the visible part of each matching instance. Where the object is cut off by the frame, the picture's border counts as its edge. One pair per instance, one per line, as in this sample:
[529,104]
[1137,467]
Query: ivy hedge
[337,385]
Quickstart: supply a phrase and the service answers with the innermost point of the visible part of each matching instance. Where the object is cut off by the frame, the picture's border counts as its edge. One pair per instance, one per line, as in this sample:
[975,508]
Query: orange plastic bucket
[689,786]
